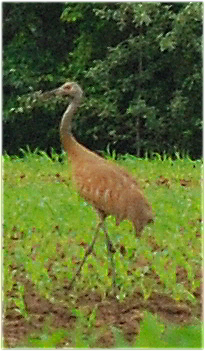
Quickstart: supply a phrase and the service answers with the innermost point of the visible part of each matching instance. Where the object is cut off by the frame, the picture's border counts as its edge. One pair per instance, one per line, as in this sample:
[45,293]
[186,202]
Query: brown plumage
[107,187]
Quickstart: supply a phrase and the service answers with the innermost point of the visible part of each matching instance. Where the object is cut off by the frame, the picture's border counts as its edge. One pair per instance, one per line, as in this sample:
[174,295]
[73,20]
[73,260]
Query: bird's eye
[67,87]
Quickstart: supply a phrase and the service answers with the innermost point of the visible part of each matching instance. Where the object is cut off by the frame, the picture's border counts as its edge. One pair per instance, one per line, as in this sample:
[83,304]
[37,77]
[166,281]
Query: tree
[140,65]
[150,90]
[35,52]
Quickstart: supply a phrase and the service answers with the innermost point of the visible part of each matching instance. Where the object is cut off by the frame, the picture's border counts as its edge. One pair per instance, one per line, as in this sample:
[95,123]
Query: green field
[47,227]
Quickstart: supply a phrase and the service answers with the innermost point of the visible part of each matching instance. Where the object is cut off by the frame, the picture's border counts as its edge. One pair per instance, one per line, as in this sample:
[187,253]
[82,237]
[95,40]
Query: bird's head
[71,89]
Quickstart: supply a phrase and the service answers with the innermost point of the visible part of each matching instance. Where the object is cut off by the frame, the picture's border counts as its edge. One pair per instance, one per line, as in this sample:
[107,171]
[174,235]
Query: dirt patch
[124,315]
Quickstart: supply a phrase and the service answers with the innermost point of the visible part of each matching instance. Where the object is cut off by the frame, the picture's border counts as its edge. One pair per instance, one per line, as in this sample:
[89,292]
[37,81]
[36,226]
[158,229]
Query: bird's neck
[66,124]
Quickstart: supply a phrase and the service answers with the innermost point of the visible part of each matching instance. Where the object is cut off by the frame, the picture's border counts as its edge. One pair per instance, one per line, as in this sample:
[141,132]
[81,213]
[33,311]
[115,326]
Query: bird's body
[107,187]
[111,190]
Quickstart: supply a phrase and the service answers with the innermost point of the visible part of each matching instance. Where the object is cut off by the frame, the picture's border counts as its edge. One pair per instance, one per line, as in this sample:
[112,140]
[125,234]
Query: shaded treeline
[139,64]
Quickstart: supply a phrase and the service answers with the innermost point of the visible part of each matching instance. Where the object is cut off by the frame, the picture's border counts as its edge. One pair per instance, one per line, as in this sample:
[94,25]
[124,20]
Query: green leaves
[71,14]
[152,54]
[154,334]
[167,43]
[48,339]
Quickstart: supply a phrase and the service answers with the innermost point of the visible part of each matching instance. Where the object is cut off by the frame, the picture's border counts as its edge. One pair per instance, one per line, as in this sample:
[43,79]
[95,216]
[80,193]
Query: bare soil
[125,315]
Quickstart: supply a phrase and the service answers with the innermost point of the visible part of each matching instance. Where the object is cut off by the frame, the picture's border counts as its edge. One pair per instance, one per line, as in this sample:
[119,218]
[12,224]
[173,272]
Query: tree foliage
[140,65]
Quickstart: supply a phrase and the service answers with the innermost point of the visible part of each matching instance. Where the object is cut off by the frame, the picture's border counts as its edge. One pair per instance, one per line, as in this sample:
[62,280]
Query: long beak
[49,94]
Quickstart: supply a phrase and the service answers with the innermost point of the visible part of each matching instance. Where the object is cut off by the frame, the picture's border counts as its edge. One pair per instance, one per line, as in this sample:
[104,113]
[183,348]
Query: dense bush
[140,65]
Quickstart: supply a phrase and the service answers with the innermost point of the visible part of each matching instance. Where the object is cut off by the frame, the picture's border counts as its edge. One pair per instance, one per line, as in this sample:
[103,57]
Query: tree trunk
[137,138]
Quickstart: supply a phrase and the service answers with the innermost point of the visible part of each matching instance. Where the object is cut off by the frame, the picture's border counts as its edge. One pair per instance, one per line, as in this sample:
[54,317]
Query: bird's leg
[111,250]
[87,253]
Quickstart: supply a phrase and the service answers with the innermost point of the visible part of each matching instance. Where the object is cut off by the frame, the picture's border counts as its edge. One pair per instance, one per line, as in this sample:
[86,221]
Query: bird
[108,187]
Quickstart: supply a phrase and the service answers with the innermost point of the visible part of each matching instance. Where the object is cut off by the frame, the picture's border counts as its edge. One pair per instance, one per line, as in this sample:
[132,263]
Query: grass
[47,227]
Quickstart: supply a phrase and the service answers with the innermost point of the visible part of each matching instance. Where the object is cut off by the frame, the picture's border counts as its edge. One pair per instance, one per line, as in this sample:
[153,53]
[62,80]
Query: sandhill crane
[106,186]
